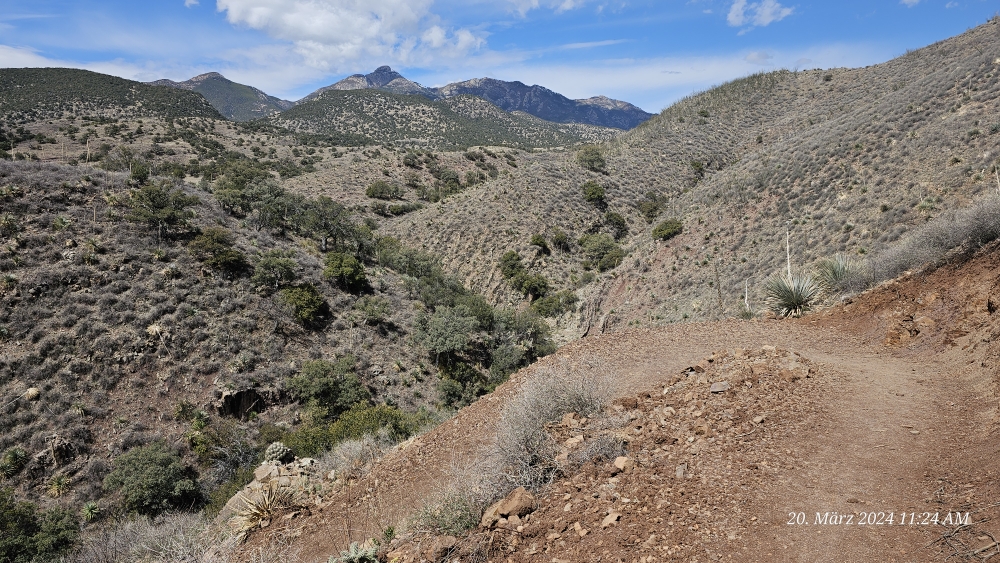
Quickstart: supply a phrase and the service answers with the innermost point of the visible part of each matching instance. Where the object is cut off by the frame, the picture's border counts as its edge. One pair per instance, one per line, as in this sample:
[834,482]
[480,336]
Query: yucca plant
[58,486]
[833,273]
[91,511]
[12,462]
[790,295]
[262,507]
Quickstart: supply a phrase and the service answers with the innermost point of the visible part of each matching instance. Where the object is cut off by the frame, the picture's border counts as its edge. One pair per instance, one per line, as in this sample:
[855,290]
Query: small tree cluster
[593,193]
[601,251]
[346,271]
[215,248]
[331,386]
[531,285]
[380,189]
[590,157]
[152,479]
[668,229]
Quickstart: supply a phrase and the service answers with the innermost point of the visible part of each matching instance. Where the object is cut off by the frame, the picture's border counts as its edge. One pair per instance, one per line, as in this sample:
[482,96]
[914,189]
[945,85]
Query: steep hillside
[235,101]
[28,94]
[847,160]
[385,118]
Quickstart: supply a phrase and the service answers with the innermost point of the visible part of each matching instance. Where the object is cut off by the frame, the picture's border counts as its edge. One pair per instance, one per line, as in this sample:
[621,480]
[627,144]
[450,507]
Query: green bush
[617,223]
[374,309]
[556,304]
[790,296]
[274,270]
[27,536]
[602,251]
[306,303]
[560,240]
[331,385]
[590,157]
[539,241]
[380,189]
[447,331]
[651,205]
[215,247]
[668,229]
[593,192]
[159,207]
[152,479]
[532,286]
[346,271]
[510,265]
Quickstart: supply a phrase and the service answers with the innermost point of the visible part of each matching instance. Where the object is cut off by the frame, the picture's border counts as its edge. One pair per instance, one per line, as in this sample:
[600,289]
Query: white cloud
[335,35]
[909,3]
[758,14]
[189,3]
[950,5]
[524,6]
[759,58]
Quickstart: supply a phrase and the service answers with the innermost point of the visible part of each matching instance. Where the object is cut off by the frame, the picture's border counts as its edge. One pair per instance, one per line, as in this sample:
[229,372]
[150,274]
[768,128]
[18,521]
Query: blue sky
[649,53]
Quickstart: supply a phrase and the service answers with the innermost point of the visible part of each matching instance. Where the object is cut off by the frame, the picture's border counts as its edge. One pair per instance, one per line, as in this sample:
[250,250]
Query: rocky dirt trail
[898,414]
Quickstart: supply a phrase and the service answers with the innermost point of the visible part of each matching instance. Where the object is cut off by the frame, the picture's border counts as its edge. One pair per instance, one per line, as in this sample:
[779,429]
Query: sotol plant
[790,295]
[356,554]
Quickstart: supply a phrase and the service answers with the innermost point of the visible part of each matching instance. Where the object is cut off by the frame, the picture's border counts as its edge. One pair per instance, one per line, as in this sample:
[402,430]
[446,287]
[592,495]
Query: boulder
[624,464]
[439,548]
[519,502]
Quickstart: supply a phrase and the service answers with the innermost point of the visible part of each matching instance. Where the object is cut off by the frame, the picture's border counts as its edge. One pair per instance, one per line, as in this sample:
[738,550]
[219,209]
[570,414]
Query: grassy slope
[848,159]
[34,93]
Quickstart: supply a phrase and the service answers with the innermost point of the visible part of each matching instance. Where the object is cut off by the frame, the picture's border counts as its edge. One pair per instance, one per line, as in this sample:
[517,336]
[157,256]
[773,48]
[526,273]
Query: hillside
[238,102]
[848,159]
[30,94]
[509,96]
[385,118]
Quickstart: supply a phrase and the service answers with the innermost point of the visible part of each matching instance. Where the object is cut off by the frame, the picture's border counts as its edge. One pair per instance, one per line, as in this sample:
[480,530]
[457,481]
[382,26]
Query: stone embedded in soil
[624,464]
[720,387]
[610,519]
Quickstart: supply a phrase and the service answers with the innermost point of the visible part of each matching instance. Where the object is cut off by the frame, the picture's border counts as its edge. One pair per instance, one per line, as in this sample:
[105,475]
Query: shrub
[555,305]
[833,274]
[560,240]
[532,286]
[790,296]
[510,265]
[159,207]
[346,271]
[331,385]
[152,479]
[590,157]
[602,251]
[617,223]
[524,452]
[539,241]
[274,270]
[374,309]
[668,229]
[380,189]
[593,192]
[447,331]
[215,247]
[306,303]
[27,535]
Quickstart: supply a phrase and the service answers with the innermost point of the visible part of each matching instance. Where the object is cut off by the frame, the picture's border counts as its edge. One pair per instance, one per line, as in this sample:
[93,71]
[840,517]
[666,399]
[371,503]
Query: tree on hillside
[590,157]
[156,205]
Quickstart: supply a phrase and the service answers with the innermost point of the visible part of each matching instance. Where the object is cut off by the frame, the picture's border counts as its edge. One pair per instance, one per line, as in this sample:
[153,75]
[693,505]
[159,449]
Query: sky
[649,53]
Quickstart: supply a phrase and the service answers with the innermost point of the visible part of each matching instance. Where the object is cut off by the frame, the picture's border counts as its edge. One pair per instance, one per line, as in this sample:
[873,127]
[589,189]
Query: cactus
[278,452]
[356,554]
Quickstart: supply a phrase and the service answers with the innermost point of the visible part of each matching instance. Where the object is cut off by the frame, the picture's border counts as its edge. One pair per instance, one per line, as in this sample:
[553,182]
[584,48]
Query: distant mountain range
[245,103]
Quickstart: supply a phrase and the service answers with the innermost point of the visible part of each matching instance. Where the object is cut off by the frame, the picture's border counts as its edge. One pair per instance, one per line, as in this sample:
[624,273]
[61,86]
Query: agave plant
[790,295]
[833,273]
